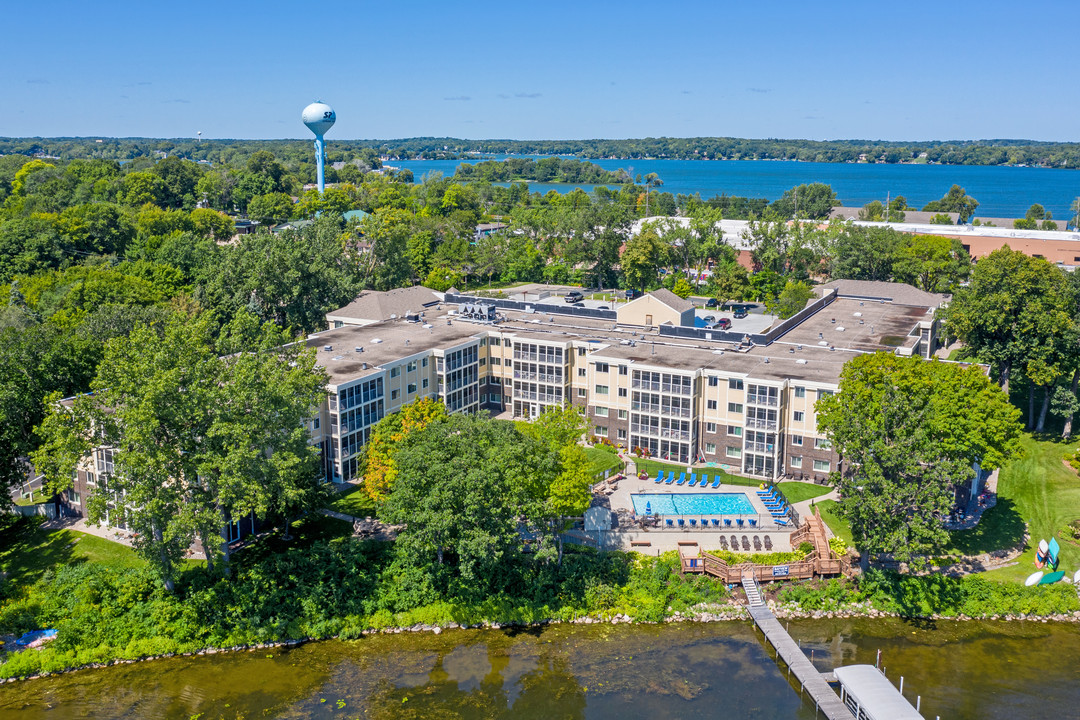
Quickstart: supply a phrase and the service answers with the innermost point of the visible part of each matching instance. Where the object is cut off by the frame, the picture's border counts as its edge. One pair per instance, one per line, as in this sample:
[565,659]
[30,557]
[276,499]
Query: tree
[197,439]
[643,257]
[813,201]
[791,300]
[769,241]
[909,431]
[864,253]
[955,201]
[728,281]
[464,485]
[682,288]
[271,208]
[377,462]
[932,263]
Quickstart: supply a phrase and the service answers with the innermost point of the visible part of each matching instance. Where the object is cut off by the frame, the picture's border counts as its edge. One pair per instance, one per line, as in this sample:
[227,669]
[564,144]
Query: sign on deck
[780,571]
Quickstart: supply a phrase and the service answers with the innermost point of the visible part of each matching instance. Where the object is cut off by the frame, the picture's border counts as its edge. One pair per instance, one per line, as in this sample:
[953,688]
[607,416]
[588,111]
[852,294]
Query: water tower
[319,117]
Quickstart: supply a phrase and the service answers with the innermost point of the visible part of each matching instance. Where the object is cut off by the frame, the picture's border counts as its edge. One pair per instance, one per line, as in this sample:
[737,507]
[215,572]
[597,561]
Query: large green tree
[909,431]
[812,201]
[198,439]
[955,201]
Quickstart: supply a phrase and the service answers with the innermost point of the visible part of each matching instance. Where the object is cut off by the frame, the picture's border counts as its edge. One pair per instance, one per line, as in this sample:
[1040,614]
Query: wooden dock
[813,682]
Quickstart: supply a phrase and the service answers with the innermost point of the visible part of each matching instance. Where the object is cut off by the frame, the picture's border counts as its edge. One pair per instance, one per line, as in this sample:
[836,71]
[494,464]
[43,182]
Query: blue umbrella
[648,508]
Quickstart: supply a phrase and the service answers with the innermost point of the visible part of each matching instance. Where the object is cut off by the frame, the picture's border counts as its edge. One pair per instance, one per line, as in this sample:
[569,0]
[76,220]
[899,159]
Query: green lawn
[838,525]
[354,502]
[27,550]
[602,459]
[1037,488]
[799,491]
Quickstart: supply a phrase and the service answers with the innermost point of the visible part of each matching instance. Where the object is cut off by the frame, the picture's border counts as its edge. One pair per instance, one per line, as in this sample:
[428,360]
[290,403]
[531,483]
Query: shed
[597,518]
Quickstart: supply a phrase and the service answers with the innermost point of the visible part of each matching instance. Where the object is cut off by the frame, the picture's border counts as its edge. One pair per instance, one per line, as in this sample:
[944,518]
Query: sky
[543,70]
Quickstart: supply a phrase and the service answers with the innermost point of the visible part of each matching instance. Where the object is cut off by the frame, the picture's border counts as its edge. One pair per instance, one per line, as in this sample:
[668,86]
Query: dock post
[918,702]
[901,684]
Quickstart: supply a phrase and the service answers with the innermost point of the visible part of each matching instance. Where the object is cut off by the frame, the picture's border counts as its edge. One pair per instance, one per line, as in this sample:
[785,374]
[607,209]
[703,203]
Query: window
[622,414]
[483,342]
[799,416]
[734,384]
[821,444]
[800,392]
[425,383]
[710,427]
[315,423]
[622,392]
[496,361]
[423,362]
[823,393]
[735,408]
[581,352]
[734,451]
[582,392]
[623,370]
[496,342]
[602,367]
[581,372]
[710,448]
[411,367]
[411,389]
[796,461]
[821,466]
[714,381]
[710,404]
[600,412]
[735,431]
[395,371]
[622,434]
[394,394]
[483,398]
[600,431]
[601,389]
[796,440]
[90,480]
[483,362]
[74,497]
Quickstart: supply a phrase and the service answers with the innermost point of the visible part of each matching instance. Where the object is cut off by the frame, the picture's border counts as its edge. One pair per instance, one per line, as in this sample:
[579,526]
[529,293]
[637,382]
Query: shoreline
[705,614]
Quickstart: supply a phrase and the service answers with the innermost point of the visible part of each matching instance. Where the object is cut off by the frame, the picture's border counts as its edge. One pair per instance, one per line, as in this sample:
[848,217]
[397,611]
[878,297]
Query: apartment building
[646,378]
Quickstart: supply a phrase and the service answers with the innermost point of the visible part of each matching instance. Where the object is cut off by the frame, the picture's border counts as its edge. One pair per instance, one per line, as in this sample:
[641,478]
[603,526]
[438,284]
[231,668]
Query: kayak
[1052,578]
[1034,578]
[35,635]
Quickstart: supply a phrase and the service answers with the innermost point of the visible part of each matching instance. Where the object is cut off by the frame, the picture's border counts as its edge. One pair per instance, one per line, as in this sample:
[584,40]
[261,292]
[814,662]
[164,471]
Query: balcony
[762,400]
[759,447]
[756,424]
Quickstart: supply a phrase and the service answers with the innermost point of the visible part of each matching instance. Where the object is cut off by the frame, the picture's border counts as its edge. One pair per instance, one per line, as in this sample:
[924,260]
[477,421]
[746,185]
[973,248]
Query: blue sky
[552,70]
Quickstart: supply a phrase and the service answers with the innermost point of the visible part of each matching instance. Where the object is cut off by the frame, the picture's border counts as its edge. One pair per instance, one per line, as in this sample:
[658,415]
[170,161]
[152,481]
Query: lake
[600,672]
[1001,191]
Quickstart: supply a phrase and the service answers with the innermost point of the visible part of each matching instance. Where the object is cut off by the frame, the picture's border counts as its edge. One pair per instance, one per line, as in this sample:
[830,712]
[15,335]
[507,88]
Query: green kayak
[1051,578]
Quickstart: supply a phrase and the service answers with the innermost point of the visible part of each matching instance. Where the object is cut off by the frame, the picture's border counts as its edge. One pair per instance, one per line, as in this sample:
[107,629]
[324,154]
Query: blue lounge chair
[716,482]
[772,497]
[753,522]
[693,522]
[659,476]
[703,481]
[716,522]
[764,491]
[782,521]
[727,522]
[670,522]
[777,504]
[693,480]
[670,477]
[682,478]
[739,522]
[682,522]
[779,513]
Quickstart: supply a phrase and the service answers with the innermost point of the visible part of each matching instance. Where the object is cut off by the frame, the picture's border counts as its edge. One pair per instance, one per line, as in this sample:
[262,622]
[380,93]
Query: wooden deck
[810,680]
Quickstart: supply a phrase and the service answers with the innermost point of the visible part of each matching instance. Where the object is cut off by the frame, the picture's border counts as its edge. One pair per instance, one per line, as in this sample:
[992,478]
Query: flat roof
[882,326]
[875,694]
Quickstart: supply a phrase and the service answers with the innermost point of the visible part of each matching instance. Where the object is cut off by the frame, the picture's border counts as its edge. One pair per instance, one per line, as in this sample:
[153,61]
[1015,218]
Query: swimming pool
[693,504]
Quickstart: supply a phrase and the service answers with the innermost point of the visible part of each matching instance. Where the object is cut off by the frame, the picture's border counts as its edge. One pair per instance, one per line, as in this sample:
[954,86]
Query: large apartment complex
[645,372]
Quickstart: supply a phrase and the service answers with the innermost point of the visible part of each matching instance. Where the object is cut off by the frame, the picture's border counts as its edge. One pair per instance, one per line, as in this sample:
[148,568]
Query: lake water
[1001,191]
[654,672]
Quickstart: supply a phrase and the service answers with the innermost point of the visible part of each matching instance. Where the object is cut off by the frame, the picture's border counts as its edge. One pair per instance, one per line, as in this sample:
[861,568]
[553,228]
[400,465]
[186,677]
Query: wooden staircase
[753,594]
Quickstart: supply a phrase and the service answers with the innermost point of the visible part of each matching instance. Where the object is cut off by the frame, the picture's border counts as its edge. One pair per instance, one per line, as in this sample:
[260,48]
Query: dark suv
[741,312]
[574,296]
[631,294]
[711,303]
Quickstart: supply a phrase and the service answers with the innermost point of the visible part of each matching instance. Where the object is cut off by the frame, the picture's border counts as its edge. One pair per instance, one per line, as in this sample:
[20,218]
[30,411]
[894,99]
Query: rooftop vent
[393,316]
[801,361]
[426,326]
[359,349]
[791,350]
[376,341]
[840,329]
[406,342]
[327,348]
[766,360]
[363,366]
[861,321]
[858,314]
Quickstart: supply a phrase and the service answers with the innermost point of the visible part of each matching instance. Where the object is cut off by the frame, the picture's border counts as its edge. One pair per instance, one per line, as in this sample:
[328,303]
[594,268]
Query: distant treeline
[235,152]
[551,169]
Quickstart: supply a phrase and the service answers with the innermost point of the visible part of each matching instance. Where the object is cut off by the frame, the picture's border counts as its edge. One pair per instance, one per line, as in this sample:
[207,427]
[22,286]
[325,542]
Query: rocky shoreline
[728,612]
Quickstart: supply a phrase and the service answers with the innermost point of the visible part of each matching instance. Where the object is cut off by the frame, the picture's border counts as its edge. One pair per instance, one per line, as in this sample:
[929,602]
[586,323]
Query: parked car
[741,312]
[724,323]
[603,307]
[631,294]
[574,296]
[711,303]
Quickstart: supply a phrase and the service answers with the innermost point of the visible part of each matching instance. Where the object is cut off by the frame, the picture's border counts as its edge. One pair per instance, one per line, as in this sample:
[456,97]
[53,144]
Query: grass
[1040,489]
[355,502]
[799,491]
[27,550]
[838,525]
[602,459]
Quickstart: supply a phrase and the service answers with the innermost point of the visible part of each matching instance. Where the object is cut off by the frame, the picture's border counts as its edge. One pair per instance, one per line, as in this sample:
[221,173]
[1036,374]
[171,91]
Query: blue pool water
[693,504]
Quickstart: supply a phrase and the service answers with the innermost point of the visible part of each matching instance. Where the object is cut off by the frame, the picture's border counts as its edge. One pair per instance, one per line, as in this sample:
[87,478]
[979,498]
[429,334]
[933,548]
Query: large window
[821,466]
